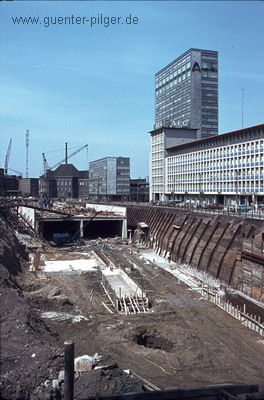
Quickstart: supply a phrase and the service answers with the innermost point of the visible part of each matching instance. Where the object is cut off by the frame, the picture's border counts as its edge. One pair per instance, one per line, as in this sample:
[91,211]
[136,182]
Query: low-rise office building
[139,190]
[109,179]
[224,168]
[29,187]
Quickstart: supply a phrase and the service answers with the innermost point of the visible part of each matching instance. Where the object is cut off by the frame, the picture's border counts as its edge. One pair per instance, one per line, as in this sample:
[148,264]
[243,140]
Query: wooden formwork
[126,303]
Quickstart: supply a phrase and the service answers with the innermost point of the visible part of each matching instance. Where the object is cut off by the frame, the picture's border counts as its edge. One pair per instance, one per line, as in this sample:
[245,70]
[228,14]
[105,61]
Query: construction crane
[8,156]
[45,163]
[17,172]
[7,161]
[46,166]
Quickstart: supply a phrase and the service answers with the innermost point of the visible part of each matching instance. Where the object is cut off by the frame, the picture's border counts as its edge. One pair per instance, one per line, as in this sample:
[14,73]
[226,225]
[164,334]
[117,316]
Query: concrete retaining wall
[210,243]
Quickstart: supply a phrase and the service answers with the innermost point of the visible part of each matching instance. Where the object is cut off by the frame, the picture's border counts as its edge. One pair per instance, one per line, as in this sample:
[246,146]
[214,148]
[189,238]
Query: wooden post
[69,369]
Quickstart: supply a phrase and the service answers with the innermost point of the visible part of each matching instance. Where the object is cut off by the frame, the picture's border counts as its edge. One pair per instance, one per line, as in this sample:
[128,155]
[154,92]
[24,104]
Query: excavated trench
[184,243]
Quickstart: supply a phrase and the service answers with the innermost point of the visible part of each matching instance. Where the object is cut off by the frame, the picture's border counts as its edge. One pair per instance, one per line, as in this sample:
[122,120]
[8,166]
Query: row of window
[173,99]
[255,179]
[173,67]
[222,189]
[209,61]
[221,152]
[178,79]
[209,74]
[224,141]
[238,174]
[224,169]
[181,93]
[226,161]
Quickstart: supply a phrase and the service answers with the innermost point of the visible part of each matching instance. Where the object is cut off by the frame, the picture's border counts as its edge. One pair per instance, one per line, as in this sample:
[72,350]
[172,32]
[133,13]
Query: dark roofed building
[67,176]
[65,182]
[66,170]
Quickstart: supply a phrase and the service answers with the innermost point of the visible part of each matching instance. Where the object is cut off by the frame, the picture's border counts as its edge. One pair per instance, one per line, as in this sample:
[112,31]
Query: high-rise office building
[186,93]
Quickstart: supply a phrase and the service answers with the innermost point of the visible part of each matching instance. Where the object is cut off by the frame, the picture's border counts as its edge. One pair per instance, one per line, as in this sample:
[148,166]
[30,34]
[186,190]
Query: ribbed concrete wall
[211,243]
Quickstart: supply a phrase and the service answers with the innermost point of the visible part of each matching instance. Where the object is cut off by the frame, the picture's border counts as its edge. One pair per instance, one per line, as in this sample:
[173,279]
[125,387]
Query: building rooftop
[216,138]
[66,170]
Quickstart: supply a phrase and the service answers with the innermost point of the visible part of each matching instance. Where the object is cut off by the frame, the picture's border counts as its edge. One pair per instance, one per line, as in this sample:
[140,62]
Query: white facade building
[220,169]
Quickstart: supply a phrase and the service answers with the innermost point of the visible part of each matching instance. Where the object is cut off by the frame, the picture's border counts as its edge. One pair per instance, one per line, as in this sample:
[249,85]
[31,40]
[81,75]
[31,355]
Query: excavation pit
[153,340]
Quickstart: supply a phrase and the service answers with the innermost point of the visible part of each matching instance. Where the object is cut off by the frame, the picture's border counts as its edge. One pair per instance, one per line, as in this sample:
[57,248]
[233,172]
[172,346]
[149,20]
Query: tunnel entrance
[48,228]
[103,228]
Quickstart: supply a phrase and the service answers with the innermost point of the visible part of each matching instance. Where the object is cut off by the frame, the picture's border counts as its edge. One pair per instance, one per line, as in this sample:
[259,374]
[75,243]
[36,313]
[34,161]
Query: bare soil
[184,341]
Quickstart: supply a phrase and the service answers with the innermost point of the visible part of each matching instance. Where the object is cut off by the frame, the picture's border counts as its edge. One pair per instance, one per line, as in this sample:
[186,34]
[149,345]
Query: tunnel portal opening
[48,228]
[103,229]
[91,229]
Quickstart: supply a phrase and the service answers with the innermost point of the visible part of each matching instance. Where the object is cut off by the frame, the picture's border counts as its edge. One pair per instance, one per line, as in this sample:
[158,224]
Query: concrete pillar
[81,228]
[124,229]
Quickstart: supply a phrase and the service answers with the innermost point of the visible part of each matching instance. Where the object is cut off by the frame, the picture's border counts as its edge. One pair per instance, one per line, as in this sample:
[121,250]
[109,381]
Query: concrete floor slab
[69,265]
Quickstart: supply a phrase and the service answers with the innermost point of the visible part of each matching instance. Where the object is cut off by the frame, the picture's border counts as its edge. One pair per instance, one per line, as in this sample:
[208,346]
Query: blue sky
[80,84]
